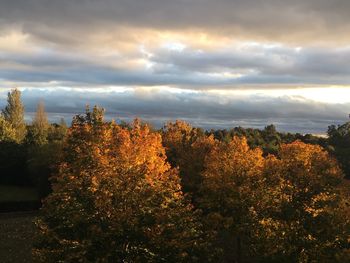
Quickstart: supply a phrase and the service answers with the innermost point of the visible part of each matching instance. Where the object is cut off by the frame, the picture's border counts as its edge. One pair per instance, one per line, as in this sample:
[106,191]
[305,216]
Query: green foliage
[14,115]
[268,139]
[339,142]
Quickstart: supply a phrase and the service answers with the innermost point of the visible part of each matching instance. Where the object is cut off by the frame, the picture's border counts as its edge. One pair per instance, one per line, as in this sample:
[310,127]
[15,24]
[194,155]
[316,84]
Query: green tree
[339,142]
[14,114]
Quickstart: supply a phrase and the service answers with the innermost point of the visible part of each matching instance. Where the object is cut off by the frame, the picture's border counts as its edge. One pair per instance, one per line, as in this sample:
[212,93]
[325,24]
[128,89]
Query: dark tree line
[28,151]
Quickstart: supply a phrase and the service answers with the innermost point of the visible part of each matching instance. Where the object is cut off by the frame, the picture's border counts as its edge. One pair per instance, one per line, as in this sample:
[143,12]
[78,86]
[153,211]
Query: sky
[215,64]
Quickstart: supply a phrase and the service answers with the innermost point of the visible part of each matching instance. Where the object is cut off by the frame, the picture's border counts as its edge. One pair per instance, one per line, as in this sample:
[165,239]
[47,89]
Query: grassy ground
[16,236]
[17,193]
[17,229]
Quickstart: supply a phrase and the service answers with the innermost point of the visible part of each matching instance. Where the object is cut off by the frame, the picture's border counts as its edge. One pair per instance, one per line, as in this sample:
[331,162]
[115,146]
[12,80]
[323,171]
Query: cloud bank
[131,56]
[201,108]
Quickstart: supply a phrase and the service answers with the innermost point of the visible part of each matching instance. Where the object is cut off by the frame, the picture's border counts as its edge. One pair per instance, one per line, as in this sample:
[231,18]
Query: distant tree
[57,131]
[14,114]
[38,132]
[115,199]
[339,145]
[45,144]
[272,139]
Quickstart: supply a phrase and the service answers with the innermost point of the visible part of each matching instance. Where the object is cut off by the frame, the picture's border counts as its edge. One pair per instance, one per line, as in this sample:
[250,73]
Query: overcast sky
[216,64]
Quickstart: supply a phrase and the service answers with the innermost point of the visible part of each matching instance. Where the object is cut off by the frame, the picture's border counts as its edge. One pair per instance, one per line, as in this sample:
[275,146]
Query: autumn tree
[275,209]
[186,148]
[116,199]
[14,114]
[302,212]
[229,196]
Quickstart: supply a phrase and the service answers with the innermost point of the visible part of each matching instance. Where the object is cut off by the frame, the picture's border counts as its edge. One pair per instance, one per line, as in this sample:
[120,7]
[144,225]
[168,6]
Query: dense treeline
[268,139]
[129,193]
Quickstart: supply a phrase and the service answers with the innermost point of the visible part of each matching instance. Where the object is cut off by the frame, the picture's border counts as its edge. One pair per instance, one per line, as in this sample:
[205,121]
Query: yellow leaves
[234,160]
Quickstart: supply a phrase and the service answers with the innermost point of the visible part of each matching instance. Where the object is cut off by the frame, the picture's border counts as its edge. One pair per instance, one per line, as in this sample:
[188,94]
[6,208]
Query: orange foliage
[116,198]
[187,148]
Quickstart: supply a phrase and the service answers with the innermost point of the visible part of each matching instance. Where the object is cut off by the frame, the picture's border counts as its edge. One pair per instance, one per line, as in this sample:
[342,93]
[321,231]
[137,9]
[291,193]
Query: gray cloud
[266,19]
[97,44]
[288,113]
[189,68]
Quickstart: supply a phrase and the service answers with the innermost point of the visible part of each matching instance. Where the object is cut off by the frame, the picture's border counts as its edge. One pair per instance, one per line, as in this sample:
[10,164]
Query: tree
[186,148]
[274,209]
[115,198]
[12,132]
[339,141]
[38,133]
[14,114]
[301,215]
[229,198]
[7,133]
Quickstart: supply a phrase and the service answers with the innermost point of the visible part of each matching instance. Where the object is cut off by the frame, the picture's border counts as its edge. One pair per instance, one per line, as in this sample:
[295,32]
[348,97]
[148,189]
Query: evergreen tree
[14,114]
